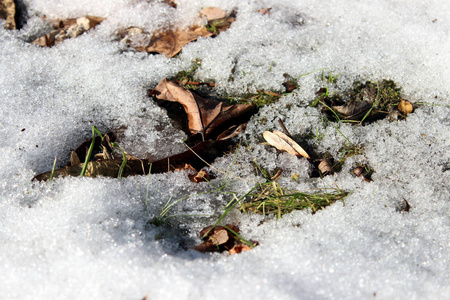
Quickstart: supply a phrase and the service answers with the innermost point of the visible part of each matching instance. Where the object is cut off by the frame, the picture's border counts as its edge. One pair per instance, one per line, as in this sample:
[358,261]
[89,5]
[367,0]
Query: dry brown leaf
[170,43]
[213,13]
[74,159]
[282,142]
[353,110]
[326,166]
[204,115]
[219,237]
[8,12]
[405,107]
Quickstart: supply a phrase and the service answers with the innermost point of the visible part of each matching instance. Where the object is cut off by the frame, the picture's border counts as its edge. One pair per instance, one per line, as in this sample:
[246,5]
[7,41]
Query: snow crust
[84,238]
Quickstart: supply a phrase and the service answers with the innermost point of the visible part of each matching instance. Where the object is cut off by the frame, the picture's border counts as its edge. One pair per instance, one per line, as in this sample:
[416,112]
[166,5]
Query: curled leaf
[282,142]
[326,166]
[204,115]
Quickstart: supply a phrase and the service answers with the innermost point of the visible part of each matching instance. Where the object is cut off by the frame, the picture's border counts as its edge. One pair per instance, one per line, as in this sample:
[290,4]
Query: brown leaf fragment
[48,40]
[358,171]
[8,12]
[282,142]
[170,43]
[265,11]
[74,159]
[213,13]
[219,237]
[354,110]
[201,176]
[405,107]
[222,238]
[364,172]
[65,29]
[239,248]
[204,115]
[326,166]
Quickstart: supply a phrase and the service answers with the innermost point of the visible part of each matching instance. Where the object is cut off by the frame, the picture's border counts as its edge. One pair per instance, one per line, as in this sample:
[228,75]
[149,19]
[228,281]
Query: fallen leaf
[219,237]
[213,13]
[8,12]
[326,166]
[170,43]
[282,142]
[405,107]
[74,159]
[204,115]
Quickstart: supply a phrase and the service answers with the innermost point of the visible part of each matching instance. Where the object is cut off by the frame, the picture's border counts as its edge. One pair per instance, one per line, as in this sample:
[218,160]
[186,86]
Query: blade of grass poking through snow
[124,161]
[91,148]
[148,185]
[248,243]
[310,73]
[337,117]
[53,169]
[375,103]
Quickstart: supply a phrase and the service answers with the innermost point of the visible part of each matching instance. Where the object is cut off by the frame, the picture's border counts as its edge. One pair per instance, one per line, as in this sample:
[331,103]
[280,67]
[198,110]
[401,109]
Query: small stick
[284,128]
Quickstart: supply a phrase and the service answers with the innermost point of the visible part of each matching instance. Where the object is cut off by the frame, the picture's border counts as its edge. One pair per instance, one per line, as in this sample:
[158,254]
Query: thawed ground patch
[93,238]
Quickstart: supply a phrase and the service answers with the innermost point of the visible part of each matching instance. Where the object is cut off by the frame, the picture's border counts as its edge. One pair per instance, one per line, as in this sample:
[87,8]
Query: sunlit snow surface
[84,238]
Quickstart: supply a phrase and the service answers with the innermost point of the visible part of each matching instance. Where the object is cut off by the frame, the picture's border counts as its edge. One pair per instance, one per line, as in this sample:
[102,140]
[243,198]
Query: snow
[84,238]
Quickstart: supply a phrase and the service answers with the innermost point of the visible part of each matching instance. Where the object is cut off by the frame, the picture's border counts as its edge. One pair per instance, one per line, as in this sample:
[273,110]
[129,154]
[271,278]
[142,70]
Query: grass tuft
[271,198]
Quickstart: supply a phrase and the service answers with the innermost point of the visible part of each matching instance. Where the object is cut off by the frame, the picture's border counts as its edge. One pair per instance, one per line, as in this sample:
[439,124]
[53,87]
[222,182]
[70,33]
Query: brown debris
[8,12]
[326,166]
[265,11]
[201,176]
[172,41]
[204,115]
[364,172]
[223,238]
[65,29]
